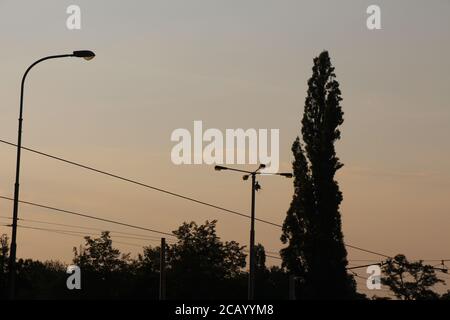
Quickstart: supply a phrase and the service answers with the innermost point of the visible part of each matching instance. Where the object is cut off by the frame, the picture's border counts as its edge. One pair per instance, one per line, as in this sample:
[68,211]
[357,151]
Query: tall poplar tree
[312,230]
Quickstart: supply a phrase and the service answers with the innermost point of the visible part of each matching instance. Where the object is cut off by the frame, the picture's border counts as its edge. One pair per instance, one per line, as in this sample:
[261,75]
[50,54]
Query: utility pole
[162,270]
[251,278]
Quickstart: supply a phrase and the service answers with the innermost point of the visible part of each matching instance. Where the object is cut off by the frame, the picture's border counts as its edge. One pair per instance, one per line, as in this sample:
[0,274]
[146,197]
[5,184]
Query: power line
[139,236]
[270,254]
[139,183]
[78,234]
[88,216]
[363,260]
[83,227]
[364,266]
[443,270]
[70,234]
[358,276]
[267,255]
[81,233]
[159,190]
[137,227]
[368,251]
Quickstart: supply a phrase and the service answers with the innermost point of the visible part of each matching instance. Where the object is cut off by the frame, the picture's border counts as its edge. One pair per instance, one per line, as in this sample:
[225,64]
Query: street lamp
[85,54]
[255,187]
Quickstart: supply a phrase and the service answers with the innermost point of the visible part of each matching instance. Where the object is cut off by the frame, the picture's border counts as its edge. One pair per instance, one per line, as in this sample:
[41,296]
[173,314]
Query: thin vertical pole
[162,270]
[251,276]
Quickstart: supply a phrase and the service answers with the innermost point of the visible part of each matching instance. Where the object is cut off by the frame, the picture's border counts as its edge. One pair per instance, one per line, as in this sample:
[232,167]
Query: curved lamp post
[85,54]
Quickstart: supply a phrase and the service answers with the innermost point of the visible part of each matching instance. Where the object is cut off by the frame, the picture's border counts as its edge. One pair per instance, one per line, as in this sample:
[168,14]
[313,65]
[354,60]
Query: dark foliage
[199,266]
[312,229]
[410,280]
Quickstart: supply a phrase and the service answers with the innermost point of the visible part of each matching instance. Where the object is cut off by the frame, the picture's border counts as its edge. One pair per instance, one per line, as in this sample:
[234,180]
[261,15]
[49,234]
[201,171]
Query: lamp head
[85,54]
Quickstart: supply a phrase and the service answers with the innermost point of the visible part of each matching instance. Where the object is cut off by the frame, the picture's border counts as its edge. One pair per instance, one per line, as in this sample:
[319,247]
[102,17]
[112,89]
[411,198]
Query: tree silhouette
[104,269]
[200,262]
[410,280]
[312,229]
[199,266]
[98,255]
[199,247]
[4,255]
[41,280]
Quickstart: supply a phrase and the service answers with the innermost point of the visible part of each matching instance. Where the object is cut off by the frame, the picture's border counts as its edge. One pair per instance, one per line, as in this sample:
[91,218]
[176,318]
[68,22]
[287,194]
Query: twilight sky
[161,65]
